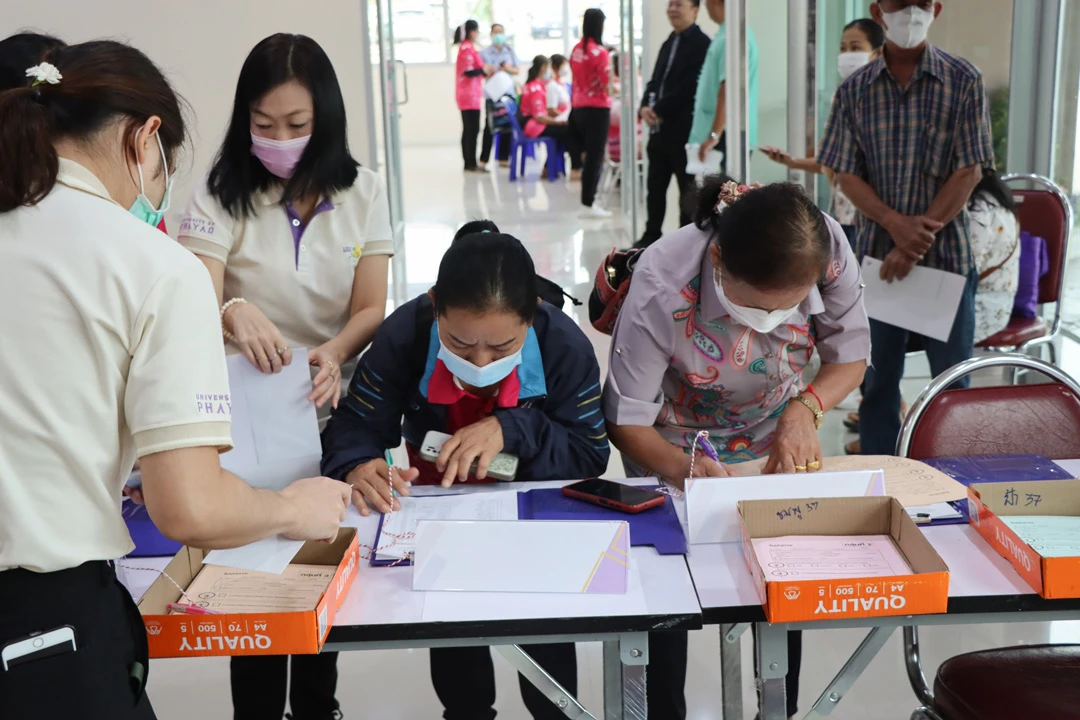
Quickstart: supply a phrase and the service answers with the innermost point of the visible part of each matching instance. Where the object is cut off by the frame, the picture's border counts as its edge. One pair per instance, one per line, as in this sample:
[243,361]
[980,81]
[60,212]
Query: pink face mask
[279,156]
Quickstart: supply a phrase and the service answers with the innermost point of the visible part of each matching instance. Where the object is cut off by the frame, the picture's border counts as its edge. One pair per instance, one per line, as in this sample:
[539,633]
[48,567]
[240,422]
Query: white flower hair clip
[730,192]
[44,73]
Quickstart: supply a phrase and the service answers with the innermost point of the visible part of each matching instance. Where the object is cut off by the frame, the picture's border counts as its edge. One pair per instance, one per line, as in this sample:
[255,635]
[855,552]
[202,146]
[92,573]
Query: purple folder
[995,468]
[149,542]
[659,527]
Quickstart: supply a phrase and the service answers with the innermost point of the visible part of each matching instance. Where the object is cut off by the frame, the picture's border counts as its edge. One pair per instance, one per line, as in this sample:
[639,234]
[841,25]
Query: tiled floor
[394,685]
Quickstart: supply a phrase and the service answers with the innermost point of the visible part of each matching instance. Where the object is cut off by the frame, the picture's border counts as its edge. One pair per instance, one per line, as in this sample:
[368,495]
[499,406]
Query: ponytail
[461,33]
[98,83]
[538,64]
[29,167]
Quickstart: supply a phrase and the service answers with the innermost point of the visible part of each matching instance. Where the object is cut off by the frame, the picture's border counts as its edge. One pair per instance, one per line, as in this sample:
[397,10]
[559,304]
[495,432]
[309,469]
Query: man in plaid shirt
[908,137]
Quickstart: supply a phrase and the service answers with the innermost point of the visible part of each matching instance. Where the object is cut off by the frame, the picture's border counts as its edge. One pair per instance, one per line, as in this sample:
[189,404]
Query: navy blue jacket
[556,431]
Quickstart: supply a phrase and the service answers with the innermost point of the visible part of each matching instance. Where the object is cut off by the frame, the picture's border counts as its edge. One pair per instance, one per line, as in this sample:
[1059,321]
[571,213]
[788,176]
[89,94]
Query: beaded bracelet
[224,308]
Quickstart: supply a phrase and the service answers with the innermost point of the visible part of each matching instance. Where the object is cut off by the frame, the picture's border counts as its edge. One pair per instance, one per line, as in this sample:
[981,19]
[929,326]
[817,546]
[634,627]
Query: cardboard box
[1056,577]
[284,633]
[924,591]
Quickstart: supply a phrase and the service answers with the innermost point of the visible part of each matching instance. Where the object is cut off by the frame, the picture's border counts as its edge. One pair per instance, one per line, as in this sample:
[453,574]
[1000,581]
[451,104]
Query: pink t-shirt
[591,65]
[534,104]
[470,89]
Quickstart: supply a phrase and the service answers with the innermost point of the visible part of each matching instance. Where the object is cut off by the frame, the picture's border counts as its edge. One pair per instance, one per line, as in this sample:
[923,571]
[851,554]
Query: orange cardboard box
[1056,577]
[924,591]
[284,633]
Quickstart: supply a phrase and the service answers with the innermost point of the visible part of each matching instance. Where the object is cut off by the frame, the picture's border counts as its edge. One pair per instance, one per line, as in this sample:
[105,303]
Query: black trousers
[105,676]
[258,686]
[591,125]
[665,676]
[667,157]
[470,128]
[568,140]
[464,680]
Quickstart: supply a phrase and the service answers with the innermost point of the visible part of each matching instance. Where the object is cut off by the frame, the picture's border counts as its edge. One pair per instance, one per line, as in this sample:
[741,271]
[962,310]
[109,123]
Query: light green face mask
[142,208]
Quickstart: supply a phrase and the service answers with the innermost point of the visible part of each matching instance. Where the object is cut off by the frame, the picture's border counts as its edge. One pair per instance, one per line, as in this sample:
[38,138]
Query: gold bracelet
[819,416]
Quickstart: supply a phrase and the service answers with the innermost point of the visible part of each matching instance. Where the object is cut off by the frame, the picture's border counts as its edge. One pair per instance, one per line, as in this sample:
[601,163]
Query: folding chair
[1046,213]
[1041,419]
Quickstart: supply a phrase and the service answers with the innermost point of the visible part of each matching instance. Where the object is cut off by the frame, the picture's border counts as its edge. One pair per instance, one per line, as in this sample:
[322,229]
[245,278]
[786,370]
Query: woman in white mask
[297,240]
[720,322]
[479,358]
[861,43]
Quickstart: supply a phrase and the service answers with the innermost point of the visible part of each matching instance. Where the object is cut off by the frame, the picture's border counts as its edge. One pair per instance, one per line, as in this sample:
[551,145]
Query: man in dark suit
[667,108]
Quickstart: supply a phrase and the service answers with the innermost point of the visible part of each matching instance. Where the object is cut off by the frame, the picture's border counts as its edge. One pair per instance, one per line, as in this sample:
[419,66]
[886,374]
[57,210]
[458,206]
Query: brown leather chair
[1046,213]
[1038,682]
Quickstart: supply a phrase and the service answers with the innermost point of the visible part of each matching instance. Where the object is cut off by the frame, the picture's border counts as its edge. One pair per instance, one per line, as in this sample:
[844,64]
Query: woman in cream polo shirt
[295,234]
[109,344]
[297,240]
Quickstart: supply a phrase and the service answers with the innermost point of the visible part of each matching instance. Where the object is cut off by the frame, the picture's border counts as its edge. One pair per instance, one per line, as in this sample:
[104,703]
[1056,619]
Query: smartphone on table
[605,493]
[503,466]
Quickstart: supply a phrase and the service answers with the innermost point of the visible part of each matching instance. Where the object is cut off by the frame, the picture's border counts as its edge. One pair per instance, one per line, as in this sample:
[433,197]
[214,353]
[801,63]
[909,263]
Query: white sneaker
[593,211]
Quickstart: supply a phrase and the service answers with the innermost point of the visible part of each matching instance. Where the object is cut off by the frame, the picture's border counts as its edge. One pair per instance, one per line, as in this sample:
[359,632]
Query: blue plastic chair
[523,146]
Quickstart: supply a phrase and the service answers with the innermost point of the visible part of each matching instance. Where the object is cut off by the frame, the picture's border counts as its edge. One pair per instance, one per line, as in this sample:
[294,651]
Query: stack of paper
[224,590]
[829,557]
[396,534]
[1048,535]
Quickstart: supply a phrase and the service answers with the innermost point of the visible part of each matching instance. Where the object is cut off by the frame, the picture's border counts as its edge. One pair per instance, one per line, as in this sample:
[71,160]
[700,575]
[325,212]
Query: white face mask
[909,27]
[762,321]
[849,62]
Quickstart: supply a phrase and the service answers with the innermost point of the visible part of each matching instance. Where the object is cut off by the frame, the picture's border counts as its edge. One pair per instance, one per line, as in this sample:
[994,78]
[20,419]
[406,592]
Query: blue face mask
[478,377]
[547,75]
[142,208]
[499,39]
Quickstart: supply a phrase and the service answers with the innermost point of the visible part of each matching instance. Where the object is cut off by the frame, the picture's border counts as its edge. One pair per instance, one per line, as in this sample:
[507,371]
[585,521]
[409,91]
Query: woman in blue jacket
[482,359]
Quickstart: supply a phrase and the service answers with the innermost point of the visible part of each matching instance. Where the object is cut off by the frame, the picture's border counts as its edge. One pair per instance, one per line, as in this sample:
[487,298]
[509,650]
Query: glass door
[391,77]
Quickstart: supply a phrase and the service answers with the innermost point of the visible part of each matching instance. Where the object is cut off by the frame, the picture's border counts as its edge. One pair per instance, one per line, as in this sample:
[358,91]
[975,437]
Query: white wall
[201,45]
[431,116]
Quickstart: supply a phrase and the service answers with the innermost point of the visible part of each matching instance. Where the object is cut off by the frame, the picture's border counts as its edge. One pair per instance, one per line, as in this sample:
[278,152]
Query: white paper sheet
[274,427]
[271,555]
[924,302]
[1048,535]
[479,606]
[694,166]
[480,506]
[712,503]
[829,557]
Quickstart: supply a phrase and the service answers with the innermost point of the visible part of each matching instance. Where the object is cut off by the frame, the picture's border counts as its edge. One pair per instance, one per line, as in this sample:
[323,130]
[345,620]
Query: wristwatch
[819,416]
[714,136]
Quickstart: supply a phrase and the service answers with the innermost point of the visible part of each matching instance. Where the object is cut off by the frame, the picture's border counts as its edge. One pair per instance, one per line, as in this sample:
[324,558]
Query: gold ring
[814,465]
[282,350]
[800,468]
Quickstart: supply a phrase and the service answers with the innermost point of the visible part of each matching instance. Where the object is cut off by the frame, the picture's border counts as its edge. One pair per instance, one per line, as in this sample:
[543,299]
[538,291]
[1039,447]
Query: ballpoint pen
[189,609]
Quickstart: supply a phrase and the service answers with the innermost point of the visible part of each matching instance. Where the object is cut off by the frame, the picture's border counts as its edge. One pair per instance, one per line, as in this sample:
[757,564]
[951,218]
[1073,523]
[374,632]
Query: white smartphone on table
[38,646]
[503,465]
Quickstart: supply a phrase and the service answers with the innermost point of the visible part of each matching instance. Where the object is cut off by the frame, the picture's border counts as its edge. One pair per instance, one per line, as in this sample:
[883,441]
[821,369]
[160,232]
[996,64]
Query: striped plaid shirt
[906,143]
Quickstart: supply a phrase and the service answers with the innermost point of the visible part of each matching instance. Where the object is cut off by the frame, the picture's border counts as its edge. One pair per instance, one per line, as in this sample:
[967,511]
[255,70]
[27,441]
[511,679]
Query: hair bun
[732,191]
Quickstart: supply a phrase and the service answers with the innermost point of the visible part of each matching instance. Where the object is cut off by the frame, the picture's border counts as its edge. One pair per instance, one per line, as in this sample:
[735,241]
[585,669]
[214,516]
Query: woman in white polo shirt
[297,239]
[109,345]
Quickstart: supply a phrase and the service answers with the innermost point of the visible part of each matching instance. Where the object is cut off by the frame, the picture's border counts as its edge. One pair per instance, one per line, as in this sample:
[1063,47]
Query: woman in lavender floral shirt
[720,321]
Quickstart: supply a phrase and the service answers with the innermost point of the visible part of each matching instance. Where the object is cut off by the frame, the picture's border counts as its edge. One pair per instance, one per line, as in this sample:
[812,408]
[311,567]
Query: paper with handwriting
[909,481]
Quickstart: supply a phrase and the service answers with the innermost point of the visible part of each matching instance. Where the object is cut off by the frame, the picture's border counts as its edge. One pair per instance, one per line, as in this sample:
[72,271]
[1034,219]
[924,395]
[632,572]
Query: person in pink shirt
[591,101]
[469,81]
[540,120]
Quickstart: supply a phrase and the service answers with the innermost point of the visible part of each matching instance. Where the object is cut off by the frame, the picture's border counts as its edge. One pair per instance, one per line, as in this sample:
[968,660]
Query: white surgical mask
[849,62]
[474,375]
[762,321]
[909,27]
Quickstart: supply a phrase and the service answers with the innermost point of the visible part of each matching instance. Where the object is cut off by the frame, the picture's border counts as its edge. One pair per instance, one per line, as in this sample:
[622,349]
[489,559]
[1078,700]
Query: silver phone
[38,647]
[503,466]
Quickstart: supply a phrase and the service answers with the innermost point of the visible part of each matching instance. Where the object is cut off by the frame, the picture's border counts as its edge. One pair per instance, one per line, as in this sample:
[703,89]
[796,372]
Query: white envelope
[924,302]
[711,166]
[535,556]
[712,511]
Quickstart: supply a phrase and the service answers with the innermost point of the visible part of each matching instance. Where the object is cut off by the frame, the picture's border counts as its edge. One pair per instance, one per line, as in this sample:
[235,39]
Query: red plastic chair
[1040,419]
[1046,213]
